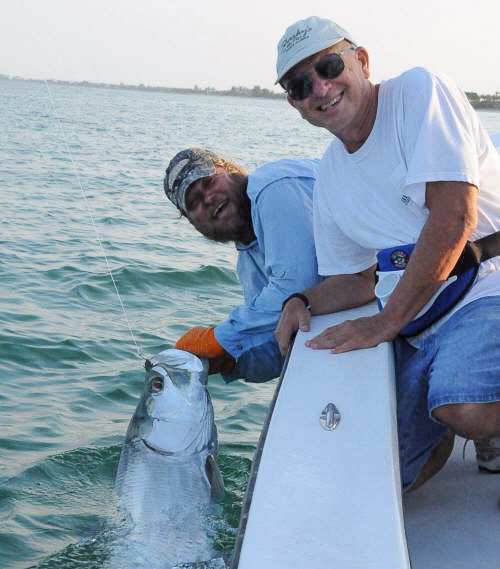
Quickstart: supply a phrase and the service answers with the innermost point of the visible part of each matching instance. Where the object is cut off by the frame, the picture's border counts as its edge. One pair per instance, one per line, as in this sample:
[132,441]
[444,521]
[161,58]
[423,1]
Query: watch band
[302,297]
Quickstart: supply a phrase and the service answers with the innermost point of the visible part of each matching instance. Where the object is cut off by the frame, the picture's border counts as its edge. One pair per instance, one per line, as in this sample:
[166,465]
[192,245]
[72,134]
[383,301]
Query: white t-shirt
[374,198]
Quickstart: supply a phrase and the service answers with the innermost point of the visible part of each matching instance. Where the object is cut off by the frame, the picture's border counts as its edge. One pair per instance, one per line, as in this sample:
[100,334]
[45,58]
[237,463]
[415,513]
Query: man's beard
[240,226]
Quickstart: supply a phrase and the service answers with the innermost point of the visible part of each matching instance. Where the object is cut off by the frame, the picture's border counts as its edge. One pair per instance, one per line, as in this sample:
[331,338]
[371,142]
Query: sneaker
[488,454]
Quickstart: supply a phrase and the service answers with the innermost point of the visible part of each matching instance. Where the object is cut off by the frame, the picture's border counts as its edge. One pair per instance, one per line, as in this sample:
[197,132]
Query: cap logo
[175,171]
[298,36]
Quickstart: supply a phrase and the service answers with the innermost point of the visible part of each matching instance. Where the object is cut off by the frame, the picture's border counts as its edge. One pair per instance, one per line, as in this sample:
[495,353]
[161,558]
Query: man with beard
[268,215]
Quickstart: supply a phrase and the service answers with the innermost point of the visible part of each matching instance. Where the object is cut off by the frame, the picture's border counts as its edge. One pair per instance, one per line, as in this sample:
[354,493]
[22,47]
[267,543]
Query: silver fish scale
[161,482]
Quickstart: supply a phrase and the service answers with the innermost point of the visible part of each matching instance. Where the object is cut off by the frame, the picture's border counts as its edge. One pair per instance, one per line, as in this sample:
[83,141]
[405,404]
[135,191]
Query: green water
[79,166]
[70,373]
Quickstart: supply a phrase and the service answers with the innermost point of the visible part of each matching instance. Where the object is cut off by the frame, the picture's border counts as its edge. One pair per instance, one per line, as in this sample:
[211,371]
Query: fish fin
[215,477]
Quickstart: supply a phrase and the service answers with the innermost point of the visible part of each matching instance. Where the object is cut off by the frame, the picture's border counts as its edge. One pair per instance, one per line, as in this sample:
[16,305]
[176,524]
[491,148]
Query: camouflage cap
[185,168]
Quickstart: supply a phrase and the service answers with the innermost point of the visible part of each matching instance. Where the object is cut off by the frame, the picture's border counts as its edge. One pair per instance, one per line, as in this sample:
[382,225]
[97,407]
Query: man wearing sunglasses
[268,215]
[410,171]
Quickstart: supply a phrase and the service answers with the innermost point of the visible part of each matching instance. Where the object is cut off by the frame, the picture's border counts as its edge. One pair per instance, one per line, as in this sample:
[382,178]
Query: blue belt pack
[392,263]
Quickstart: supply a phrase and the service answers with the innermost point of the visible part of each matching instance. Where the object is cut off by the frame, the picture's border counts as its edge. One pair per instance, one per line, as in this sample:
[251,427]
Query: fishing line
[91,216]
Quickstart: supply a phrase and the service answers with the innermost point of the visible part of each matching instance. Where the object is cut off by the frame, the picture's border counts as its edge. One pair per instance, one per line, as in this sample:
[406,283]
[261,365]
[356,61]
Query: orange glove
[201,341]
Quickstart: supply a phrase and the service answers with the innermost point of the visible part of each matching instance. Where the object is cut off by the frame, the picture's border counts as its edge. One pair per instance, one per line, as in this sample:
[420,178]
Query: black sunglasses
[300,85]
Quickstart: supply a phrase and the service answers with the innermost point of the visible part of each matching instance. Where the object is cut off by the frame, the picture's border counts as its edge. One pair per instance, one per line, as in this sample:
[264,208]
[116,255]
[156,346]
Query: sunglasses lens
[299,87]
[330,66]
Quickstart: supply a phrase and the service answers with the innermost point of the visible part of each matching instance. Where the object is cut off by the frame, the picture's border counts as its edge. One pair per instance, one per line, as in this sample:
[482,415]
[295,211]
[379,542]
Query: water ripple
[70,373]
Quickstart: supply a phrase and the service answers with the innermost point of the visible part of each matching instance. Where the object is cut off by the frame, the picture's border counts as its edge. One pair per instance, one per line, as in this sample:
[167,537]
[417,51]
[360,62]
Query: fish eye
[157,384]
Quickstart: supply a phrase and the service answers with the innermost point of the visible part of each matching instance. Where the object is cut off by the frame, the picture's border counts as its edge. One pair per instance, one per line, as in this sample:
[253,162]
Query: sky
[225,43]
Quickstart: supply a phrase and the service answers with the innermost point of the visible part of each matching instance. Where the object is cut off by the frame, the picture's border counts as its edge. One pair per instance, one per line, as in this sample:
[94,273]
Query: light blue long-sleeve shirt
[280,261]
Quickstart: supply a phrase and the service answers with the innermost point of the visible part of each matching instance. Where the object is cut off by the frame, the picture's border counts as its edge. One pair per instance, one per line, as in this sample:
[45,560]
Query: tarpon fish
[167,476]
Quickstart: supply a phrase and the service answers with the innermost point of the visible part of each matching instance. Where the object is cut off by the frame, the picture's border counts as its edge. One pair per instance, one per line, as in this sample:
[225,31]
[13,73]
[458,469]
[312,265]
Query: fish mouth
[157,449]
[332,102]
[220,206]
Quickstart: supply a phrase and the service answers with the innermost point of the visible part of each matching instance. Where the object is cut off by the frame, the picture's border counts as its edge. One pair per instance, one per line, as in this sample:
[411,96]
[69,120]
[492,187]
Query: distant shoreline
[255,92]
[481,102]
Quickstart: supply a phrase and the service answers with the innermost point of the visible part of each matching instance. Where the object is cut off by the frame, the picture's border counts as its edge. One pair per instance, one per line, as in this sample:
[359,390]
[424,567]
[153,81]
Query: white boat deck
[453,521]
[332,498]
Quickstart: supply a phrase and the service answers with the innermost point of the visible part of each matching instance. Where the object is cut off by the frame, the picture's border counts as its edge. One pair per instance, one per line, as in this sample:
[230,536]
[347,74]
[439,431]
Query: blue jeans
[460,363]
[258,364]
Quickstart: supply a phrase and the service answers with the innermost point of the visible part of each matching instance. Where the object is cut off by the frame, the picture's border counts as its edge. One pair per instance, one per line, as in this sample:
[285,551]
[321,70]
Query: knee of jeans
[471,420]
[259,364]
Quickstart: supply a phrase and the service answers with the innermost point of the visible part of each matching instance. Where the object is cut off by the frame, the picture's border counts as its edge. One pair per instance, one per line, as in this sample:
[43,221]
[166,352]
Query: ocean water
[81,174]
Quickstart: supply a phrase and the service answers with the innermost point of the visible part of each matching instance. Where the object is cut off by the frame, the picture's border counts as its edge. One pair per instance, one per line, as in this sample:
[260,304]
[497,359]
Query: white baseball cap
[305,38]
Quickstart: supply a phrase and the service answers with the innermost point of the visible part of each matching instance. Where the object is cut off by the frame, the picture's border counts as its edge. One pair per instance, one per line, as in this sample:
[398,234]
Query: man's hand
[354,335]
[201,342]
[295,316]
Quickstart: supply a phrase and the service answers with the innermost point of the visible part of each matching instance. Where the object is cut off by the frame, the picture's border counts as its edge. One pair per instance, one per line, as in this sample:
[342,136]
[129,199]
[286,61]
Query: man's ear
[291,101]
[364,59]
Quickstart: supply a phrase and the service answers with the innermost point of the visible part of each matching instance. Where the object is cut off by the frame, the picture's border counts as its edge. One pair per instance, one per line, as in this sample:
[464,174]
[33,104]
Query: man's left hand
[353,335]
